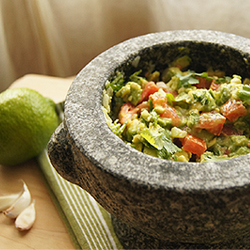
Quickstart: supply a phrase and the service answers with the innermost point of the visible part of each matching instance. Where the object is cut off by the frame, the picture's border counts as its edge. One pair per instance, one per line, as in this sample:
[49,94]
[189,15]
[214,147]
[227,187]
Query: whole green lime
[27,120]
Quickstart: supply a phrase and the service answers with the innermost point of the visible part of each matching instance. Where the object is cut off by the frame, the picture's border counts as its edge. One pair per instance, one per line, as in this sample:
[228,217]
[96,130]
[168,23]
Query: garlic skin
[26,218]
[20,204]
[7,200]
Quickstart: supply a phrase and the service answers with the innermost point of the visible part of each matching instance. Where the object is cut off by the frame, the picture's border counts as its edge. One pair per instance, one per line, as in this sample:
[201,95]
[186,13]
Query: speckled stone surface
[132,238]
[189,203]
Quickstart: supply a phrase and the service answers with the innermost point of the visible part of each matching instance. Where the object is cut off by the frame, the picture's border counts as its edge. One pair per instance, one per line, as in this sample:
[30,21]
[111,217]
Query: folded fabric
[88,224]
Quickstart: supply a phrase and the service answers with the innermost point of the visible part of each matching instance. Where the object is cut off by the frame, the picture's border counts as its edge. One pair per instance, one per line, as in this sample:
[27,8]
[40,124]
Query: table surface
[49,231]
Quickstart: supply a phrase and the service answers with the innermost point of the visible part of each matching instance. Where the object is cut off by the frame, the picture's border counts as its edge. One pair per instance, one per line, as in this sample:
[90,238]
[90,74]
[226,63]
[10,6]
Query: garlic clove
[26,218]
[20,204]
[7,200]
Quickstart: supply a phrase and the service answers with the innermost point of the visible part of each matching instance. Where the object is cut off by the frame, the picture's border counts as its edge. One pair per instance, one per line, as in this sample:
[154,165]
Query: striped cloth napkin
[89,225]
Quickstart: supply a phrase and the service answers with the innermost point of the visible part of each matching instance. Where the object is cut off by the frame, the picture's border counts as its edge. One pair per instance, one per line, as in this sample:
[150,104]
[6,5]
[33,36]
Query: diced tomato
[149,89]
[233,109]
[194,144]
[227,151]
[211,121]
[203,83]
[214,85]
[127,112]
[179,66]
[169,112]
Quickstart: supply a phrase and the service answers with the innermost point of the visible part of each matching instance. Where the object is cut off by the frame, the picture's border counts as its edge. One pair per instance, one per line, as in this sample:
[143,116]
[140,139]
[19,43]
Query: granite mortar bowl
[155,203]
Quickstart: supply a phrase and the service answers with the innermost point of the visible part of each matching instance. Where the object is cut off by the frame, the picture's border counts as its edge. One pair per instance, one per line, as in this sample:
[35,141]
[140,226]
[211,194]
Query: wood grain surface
[49,231]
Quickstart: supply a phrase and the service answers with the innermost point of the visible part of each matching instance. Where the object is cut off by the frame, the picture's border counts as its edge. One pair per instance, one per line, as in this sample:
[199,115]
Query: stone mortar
[177,204]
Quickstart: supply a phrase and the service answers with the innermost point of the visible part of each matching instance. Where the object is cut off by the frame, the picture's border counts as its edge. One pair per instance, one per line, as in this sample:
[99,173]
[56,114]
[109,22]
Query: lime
[27,120]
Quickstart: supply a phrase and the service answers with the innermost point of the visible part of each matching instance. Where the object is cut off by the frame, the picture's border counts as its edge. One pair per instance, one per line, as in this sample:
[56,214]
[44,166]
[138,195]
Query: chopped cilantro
[117,128]
[161,142]
[136,78]
[210,157]
[188,79]
[169,147]
[153,137]
[118,82]
[225,79]
[204,75]
[193,119]
[150,101]
[204,97]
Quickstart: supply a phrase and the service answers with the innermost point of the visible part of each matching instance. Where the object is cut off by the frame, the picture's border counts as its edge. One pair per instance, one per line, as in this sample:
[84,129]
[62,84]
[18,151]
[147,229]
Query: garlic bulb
[20,204]
[7,200]
[26,218]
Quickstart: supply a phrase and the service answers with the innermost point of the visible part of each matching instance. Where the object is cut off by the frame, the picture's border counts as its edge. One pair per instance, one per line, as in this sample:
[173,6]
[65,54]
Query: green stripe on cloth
[88,224]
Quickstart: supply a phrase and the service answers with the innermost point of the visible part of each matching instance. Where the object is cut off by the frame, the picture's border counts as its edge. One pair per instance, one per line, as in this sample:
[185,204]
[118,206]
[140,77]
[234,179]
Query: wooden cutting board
[49,231]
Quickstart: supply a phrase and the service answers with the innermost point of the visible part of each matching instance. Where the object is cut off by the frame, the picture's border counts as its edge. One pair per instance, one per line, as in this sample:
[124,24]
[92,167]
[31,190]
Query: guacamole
[180,115]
